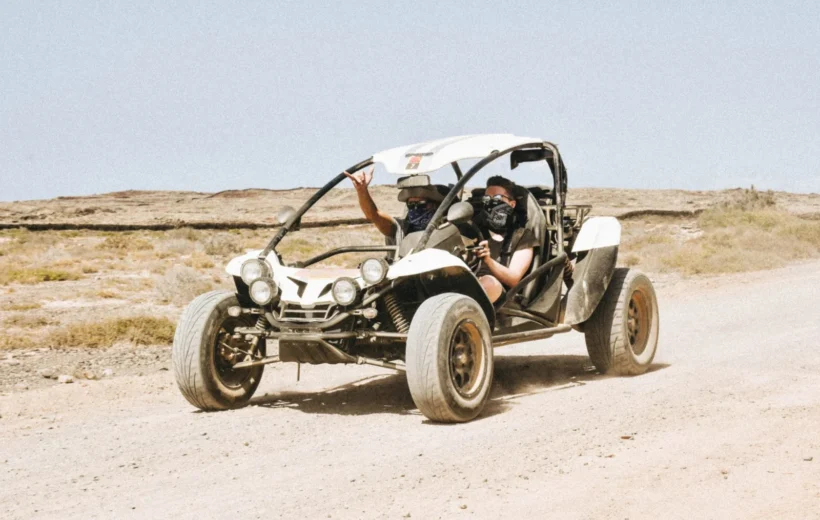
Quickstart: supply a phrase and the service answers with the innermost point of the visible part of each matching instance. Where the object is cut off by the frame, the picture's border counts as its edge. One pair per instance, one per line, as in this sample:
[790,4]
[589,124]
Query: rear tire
[450,358]
[622,333]
[204,377]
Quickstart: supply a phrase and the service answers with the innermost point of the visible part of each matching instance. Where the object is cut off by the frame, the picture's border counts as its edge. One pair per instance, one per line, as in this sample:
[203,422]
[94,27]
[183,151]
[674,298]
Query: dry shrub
[181,284]
[28,321]
[643,243]
[746,234]
[631,260]
[106,294]
[199,261]
[184,233]
[139,330]
[176,247]
[750,200]
[8,341]
[36,275]
[653,238]
[125,242]
[25,244]
[301,247]
[22,306]
[310,242]
[723,218]
[22,236]
[221,245]
[64,261]
[737,240]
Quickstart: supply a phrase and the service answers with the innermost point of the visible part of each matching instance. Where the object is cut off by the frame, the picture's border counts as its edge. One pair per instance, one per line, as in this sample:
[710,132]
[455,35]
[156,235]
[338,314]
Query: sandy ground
[724,426]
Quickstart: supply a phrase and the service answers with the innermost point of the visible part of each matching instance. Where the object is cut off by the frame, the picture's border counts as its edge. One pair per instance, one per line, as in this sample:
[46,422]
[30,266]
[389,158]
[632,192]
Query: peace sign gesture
[361,179]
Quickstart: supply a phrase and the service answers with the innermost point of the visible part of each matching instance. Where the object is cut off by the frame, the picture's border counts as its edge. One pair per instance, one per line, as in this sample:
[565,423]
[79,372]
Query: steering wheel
[470,258]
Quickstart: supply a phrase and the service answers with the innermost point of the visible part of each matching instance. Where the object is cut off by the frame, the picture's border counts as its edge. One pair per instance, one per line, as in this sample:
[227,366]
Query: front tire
[622,333]
[204,375]
[450,358]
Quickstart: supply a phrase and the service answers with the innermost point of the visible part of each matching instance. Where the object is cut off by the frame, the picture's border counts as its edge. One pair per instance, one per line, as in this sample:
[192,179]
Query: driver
[422,202]
[508,252]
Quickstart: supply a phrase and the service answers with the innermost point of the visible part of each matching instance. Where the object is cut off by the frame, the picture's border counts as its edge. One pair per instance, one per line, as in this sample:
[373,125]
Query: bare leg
[491,286]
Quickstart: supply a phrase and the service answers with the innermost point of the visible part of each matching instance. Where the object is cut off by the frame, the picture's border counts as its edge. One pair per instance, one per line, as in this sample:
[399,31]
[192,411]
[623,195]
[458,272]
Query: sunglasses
[419,204]
[497,197]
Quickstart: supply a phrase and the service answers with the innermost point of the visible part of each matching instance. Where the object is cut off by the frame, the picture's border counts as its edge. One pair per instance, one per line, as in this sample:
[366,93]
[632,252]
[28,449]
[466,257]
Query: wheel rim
[227,352]
[468,360]
[639,322]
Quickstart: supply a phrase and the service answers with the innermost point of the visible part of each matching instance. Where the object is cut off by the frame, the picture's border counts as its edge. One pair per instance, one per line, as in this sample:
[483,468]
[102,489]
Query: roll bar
[462,182]
[558,177]
[309,204]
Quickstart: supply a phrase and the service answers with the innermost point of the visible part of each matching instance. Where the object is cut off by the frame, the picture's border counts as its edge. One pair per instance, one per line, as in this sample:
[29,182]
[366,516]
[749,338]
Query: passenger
[422,202]
[508,253]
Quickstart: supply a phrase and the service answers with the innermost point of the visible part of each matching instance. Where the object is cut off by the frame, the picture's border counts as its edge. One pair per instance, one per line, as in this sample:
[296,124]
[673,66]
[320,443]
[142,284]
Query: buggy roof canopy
[429,156]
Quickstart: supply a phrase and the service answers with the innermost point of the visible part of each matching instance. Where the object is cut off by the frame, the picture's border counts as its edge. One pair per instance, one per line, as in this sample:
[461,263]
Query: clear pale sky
[205,96]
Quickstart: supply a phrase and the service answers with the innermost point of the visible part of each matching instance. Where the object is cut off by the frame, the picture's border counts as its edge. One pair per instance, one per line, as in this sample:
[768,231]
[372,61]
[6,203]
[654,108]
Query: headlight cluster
[263,291]
[374,270]
[253,270]
[345,291]
[257,276]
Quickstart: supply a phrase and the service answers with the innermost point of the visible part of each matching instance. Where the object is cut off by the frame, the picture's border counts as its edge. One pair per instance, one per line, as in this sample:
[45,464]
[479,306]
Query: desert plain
[92,425]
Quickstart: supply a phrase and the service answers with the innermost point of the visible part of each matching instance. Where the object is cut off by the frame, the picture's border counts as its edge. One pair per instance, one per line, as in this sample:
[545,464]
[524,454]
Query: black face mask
[497,216]
[418,218]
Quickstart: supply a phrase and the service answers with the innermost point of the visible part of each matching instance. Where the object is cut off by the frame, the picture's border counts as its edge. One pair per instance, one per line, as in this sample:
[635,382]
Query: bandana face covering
[418,218]
[497,215]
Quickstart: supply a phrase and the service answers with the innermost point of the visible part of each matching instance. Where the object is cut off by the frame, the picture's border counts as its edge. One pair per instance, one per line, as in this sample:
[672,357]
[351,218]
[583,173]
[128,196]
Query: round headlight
[374,270]
[253,269]
[263,291]
[344,291]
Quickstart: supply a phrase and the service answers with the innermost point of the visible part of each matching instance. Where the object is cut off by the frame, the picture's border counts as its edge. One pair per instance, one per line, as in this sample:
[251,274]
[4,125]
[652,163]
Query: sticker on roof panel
[413,163]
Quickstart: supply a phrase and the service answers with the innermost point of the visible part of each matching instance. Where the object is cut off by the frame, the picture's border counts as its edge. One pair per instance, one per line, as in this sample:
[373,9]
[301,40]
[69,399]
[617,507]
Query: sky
[207,96]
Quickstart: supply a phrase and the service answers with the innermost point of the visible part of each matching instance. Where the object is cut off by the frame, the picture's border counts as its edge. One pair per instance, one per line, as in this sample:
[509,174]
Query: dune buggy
[416,305]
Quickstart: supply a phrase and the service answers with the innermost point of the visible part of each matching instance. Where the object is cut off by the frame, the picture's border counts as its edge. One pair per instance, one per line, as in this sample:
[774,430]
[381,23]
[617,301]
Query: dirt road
[724,426]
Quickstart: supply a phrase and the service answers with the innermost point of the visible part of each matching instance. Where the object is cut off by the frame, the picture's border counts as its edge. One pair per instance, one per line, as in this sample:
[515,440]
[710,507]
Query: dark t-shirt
[502,250]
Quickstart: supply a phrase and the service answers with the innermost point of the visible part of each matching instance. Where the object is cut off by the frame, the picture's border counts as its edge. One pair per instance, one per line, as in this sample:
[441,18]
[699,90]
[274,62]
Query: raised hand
[361,179]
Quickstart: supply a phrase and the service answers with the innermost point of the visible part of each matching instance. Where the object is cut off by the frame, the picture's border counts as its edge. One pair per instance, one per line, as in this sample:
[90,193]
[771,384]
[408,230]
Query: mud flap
[593,271]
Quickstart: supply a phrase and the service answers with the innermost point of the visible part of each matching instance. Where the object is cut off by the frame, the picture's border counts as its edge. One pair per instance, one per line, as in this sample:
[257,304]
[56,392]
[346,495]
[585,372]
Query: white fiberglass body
[598,232]
[309,286]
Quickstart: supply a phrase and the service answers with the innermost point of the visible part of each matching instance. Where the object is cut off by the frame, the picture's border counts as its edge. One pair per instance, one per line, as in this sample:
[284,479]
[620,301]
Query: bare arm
[508,275]
[383,222]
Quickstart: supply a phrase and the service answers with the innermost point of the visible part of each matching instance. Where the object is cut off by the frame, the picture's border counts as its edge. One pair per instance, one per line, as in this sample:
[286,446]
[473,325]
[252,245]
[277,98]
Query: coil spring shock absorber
[262,326]
[262,323]
[396,313]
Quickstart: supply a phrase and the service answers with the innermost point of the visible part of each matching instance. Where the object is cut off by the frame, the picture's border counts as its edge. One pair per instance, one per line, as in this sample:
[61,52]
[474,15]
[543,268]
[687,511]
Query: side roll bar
[558,260]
